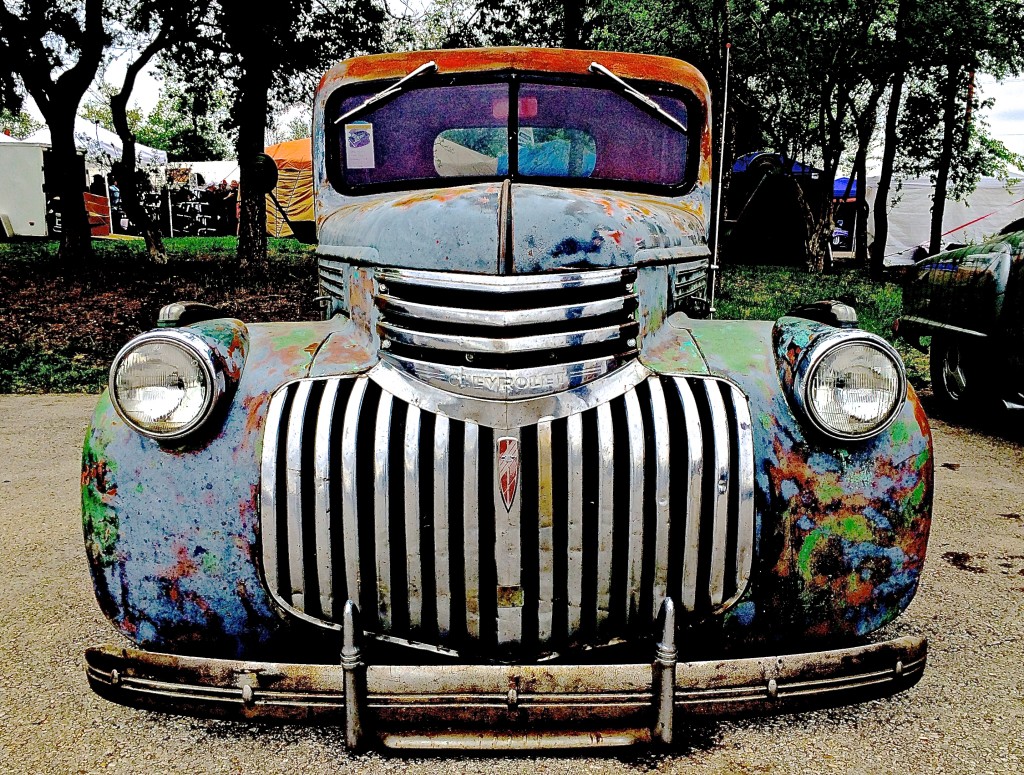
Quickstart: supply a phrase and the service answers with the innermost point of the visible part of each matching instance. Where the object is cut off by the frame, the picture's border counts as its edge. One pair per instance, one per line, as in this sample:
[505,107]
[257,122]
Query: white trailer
[22,199]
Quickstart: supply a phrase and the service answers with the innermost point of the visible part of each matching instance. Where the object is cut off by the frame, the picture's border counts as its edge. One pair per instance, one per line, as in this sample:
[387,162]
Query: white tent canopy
[992,205]
[103,147]
[209,171]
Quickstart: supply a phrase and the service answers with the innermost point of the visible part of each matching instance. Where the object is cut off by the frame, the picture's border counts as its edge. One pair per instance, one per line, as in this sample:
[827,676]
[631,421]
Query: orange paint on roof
[557,60]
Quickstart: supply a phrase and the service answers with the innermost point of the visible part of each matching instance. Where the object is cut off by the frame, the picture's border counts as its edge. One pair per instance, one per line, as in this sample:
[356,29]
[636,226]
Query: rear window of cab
[523,128]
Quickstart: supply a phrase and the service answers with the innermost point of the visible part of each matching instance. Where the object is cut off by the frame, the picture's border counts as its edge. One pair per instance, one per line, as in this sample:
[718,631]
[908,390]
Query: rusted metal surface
[500,476]
[491,706]
[170,530]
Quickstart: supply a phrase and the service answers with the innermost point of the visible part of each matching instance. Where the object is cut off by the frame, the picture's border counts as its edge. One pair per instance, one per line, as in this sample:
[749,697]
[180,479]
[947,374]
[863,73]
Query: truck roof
[525,59]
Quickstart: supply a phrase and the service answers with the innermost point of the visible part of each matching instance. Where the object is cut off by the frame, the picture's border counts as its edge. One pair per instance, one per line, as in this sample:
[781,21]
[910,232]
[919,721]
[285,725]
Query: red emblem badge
[508,470]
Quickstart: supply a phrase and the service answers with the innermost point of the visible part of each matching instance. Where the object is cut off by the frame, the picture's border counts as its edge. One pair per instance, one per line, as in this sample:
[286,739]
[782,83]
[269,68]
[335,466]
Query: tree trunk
[865,122]
[945,160]
[572,24]
[75,238]
[253,105]
[892,116]
[128,176]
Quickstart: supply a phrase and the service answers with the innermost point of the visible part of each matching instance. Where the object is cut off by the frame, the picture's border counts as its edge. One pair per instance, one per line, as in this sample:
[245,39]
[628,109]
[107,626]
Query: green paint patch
[899,433]
[810,543]
[922,459]
[852,528]
[828,491]
[211,564]
[226,334]
[287,336]
[99,519]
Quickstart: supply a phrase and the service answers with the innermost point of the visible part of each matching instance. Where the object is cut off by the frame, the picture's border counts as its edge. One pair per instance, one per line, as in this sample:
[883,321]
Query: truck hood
[461,228]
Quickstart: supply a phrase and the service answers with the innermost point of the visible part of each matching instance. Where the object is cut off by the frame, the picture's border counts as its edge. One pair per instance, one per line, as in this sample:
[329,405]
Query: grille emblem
[508,470]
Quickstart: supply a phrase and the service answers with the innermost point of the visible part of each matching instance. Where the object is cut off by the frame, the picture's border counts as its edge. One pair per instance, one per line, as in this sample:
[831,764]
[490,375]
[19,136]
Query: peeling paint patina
[194,588]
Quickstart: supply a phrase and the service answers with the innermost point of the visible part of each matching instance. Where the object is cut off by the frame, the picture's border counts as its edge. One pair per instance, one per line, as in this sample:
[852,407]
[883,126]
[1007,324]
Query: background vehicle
[970,301]
[516,489]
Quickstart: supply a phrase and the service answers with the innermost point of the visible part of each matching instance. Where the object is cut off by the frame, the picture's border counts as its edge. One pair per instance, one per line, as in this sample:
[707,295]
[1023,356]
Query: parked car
[970,301]
[518,488]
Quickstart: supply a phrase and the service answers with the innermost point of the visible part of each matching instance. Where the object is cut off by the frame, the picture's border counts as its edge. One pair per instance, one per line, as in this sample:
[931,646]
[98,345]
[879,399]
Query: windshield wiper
[643,99]
[397,86]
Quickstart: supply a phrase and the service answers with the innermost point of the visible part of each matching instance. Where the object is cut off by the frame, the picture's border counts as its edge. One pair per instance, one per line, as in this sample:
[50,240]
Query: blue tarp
[839,188]
[741,164]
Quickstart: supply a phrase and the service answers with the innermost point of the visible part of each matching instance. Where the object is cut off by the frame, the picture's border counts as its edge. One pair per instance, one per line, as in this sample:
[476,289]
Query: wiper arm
[397,86]
[643,99]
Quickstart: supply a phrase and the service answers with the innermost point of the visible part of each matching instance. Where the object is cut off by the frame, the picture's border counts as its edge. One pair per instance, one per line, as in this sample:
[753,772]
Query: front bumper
[506,706]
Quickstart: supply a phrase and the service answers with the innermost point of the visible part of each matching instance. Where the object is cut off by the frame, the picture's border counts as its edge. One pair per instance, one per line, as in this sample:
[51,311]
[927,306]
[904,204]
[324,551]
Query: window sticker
[359,146]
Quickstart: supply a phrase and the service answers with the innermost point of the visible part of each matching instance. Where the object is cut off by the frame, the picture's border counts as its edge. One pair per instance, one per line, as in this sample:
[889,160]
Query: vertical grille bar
[413,563]
[606,509]
[381,513]
[443,564]
[635,548]
[662,434]
[720,439]
[293,484]
[350,524]
[508,554]
[545,538]
[745,486]
[322,477]
[574,426]
[471,529]
[645,496]
[694,476]
[268,492]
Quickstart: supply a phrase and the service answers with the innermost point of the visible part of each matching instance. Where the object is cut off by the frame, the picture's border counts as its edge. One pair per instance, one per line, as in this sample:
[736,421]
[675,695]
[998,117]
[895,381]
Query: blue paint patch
[877,519]
[789,490]
[744,613]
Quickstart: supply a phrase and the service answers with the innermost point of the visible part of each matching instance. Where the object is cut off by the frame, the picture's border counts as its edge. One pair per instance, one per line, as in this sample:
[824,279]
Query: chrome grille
[508,322]
[369,498]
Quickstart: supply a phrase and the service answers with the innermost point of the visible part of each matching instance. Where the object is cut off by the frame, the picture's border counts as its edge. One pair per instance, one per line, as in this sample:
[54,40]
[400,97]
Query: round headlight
[853,389]
[163,385]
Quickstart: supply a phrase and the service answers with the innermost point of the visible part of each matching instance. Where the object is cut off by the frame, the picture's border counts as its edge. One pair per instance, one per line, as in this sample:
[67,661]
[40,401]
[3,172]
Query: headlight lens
[853,389]
[163,386]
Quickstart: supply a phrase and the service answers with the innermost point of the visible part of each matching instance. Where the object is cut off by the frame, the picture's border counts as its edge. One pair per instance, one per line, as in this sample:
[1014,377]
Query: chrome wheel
[954,373]
[954,378]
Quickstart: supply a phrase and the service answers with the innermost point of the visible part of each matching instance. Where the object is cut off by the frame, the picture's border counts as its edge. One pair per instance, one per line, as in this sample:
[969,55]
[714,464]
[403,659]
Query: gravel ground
[965,716]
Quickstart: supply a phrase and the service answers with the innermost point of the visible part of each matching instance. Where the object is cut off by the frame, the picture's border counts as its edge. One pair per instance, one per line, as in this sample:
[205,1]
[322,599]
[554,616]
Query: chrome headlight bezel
[194,346]
[813,359]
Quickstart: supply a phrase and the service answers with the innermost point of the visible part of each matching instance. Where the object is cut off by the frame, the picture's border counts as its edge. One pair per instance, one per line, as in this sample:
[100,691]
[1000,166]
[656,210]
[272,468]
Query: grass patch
[749,292]
[60,327]
[31,369]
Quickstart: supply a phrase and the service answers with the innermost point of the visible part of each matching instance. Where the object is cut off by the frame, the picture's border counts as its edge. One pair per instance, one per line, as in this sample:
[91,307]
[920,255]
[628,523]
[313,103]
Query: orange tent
[294,189]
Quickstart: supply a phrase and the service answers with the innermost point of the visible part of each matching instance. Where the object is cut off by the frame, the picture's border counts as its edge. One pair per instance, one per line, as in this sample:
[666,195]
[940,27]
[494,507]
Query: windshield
[558,130]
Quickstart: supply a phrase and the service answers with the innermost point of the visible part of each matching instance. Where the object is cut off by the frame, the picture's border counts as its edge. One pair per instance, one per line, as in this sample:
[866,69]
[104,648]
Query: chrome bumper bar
[506,706]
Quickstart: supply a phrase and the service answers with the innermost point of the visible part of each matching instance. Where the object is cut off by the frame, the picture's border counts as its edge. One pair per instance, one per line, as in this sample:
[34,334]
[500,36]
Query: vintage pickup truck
[970,301]
[518,488]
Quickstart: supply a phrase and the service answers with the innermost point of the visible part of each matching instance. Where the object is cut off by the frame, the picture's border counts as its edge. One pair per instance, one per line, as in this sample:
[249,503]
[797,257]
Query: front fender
[166,588]
[842,528]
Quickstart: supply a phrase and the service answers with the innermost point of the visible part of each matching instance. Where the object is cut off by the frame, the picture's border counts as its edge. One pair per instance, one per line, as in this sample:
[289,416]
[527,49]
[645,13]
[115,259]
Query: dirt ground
[965,716]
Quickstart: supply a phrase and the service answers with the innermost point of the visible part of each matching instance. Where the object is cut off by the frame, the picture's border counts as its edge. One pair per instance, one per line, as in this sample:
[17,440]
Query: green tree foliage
[17,123]
[187,125]
[257,57]
[97,109]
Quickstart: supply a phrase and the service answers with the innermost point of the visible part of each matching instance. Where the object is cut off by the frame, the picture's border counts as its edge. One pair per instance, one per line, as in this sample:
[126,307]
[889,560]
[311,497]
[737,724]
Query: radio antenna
[713,269]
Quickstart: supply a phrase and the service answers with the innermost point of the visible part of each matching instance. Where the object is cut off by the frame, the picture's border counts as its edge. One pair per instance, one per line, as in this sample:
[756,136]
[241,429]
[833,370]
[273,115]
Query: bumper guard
[506,706]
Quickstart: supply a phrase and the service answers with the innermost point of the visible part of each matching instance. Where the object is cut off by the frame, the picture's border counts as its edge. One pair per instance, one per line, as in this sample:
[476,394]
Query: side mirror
[266,173]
